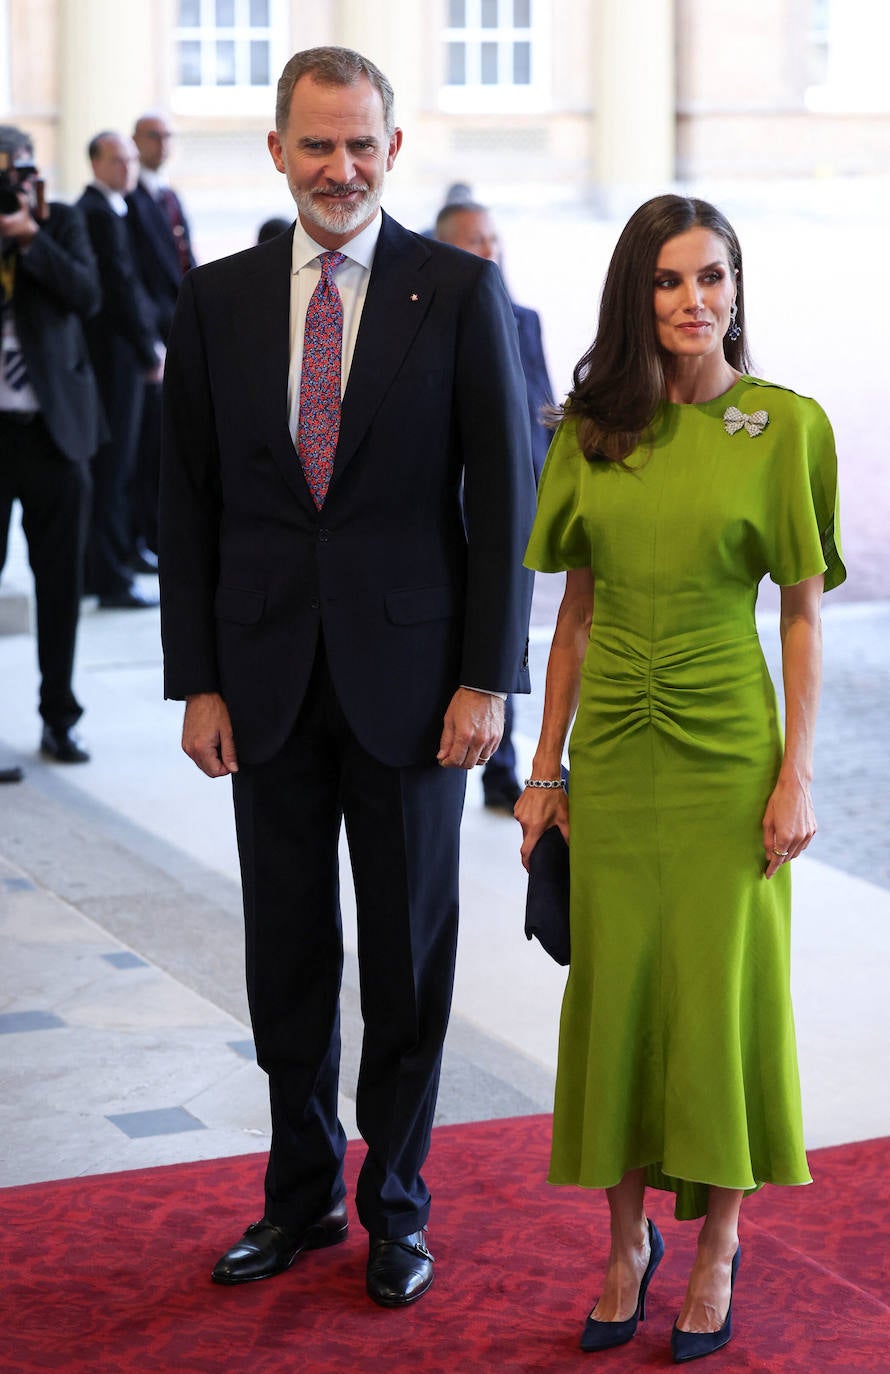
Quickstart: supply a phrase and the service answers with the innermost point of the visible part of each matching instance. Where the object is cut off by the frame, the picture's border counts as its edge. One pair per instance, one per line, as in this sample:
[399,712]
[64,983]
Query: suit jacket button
[314,604]
[322,536]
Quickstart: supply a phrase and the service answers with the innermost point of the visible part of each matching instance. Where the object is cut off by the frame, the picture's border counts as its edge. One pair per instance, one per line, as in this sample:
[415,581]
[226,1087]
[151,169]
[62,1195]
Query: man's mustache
[343,188]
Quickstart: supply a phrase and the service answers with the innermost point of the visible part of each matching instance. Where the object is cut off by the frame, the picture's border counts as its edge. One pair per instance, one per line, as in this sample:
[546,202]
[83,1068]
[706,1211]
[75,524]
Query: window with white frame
[225,55]
[847,48]
[495,55]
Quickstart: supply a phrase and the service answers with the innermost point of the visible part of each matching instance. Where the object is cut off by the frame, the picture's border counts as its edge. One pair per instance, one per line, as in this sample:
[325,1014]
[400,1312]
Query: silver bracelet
[545,782]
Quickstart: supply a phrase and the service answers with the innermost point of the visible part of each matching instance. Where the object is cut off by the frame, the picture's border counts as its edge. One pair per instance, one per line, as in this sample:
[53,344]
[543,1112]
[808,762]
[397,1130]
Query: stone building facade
[598,101]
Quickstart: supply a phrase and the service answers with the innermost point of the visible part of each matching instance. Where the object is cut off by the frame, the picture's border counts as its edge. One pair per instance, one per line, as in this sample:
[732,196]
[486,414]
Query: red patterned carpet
[109,1274]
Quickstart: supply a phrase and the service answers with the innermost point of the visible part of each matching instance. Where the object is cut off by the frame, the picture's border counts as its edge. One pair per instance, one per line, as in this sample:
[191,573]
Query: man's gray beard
[336,216]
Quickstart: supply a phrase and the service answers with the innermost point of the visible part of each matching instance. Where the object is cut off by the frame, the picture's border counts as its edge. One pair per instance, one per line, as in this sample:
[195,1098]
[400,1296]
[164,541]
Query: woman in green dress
[674,484]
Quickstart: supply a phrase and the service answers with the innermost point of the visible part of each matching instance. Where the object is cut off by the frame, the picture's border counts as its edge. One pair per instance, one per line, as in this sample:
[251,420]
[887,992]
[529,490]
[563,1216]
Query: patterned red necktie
[319,424]
[174,215]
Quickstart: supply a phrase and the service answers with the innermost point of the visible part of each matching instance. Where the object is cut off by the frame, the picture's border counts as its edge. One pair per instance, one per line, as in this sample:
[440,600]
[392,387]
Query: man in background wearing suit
[161,241]
[49,418]
[346,494]
[470,226]
[125,352]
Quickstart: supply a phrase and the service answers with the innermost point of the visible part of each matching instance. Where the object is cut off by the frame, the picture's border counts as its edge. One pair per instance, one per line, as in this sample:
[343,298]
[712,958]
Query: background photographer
[49,416]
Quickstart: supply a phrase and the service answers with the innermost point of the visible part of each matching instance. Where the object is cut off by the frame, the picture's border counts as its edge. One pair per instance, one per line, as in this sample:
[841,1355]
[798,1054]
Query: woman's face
[694,288]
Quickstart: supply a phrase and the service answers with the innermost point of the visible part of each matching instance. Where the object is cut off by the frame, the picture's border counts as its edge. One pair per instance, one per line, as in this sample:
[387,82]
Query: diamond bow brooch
[735,419]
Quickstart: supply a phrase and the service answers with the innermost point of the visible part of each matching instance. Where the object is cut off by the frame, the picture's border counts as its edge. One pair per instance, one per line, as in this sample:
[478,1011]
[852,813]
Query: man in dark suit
[468,225]
[344,609]
[125,351]
[49,418]
[162,244]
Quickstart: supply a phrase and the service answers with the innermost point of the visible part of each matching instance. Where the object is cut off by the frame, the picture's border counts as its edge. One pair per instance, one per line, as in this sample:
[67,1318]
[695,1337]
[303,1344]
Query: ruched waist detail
[697,691]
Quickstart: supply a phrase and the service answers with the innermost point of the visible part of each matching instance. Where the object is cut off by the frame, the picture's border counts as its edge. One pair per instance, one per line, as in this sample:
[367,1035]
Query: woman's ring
[781,853]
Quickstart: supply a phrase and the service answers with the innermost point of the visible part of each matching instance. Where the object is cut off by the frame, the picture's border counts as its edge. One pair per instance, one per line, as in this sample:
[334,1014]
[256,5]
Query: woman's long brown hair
[622,379]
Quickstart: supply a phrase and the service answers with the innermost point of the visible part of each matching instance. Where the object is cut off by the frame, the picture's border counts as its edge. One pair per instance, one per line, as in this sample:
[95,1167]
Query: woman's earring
[735,329]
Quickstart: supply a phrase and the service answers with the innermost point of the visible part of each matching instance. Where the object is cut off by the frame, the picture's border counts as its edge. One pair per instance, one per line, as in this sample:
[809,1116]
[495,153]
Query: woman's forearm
[801,632]
[562,687]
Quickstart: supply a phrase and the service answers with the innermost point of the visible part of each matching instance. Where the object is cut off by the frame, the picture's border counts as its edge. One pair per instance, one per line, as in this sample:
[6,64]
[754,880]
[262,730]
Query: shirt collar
[359,249]
[114,198]
[154,182]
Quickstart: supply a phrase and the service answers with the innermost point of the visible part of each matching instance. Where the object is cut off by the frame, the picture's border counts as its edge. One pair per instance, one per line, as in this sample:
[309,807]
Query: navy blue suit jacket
[538,389]
[56,291]
[156,254]
[415,590]
[121,335]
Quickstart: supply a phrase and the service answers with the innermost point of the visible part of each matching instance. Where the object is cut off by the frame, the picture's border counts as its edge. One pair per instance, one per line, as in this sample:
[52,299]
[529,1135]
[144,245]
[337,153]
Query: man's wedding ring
[781,853]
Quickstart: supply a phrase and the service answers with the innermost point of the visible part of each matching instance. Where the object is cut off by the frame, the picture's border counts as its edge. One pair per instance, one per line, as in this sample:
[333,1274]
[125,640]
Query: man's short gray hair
[331,67]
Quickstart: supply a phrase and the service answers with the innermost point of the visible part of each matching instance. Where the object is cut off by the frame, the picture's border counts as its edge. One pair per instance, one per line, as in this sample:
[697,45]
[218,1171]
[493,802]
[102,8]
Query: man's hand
[207,735]
[474,723]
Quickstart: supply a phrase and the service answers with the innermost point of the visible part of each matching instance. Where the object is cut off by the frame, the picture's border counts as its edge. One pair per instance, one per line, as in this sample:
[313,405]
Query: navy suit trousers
[402,827]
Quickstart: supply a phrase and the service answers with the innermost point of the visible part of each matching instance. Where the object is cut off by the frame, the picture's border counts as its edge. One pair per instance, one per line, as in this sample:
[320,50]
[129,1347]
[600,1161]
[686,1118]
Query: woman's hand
[536,811]
[789,822]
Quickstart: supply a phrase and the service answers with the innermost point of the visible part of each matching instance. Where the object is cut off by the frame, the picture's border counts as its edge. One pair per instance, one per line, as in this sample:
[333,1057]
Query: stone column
[106,54]
[634,122]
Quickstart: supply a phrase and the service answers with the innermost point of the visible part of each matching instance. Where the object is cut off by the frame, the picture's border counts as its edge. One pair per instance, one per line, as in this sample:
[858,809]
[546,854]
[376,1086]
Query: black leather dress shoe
[130,600]
[399,1271]
[11,774]
[62,745]
[265,1249]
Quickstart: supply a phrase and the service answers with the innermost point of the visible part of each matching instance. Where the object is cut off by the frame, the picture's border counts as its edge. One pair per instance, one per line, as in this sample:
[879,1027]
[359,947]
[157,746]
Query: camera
[12,175]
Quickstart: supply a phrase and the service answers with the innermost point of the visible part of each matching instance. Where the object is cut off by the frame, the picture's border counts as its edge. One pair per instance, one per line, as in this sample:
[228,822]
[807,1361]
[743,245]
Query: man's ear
[392,151]
[274,144]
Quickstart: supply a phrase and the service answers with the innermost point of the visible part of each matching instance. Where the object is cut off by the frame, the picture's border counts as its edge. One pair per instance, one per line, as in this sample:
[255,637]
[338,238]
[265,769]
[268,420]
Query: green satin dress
[677,1048]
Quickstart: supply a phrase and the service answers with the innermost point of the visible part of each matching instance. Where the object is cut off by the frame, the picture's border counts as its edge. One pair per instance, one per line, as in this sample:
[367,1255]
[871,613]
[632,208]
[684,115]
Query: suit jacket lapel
[261,327]
[157,228]
[397,300]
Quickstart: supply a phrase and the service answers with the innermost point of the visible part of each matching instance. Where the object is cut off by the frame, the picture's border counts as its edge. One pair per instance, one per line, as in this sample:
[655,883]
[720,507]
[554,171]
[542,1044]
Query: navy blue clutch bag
[547,902]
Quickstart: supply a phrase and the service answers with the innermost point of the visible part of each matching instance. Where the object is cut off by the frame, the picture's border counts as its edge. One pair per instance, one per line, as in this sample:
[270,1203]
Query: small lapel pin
[414,296]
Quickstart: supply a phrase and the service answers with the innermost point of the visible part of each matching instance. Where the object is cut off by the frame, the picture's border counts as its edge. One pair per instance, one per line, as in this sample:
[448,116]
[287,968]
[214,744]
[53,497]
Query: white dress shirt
[154,182]
[351,277]
[114,198]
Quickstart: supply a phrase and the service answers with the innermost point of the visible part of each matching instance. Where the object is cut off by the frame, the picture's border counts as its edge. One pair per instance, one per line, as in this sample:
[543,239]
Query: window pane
[225,14]
[489,14]
[457,14]
[456,64]
[189,14]
[259,14]
[259,63]
[225,62]
[522,64]
[189,53]
[489,53]
[522,14]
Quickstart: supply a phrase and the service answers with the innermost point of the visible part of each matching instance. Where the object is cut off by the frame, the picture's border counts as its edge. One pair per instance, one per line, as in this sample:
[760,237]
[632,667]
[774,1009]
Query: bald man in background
[162,245]
[125,351]
[468,225]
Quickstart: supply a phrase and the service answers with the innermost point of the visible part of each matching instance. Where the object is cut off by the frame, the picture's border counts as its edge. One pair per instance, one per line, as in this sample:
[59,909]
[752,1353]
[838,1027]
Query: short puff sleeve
[804,527]
[559,538]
